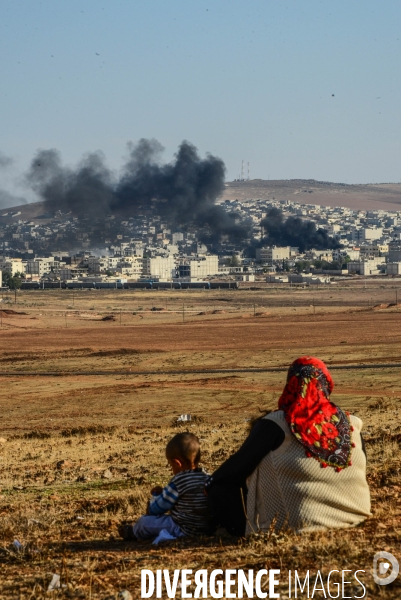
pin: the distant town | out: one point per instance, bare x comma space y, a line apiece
63, 248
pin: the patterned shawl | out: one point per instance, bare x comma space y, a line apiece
318, 424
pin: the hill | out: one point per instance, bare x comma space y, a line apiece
369, 196
386, 196
25, 212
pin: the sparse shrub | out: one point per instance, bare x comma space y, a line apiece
37, 435
90, 429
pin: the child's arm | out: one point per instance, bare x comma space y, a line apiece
164, 502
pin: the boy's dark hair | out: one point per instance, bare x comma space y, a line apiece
184, 446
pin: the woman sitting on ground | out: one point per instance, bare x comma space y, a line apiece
302, 466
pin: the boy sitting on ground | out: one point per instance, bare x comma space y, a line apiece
183, 497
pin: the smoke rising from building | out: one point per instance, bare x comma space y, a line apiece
294, 231
183, 192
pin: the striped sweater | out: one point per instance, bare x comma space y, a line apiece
185, 498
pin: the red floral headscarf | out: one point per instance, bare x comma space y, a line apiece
318, 424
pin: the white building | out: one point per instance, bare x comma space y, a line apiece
333, 229
366, 234
366, 267
177, 237
159, 267
394, 268
131, 266
270, 254
13, 265
353, 253
199, 267
394, 252
373, 250
39, 266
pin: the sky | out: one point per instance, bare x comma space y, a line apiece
307, 90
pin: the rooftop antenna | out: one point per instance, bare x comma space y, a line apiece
248, 171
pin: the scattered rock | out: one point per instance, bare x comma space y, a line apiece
380, 306
107, 474
82, 478
2, 440
109, 318
184, 418
63, 464
55, 583
124, 595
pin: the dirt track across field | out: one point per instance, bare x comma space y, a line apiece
363, 328
113, 369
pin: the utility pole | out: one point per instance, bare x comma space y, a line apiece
120, 316
15, 296
183, 313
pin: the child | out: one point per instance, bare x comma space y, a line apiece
184, 497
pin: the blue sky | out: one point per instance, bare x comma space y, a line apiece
299, 89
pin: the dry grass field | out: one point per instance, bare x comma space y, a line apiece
87, 406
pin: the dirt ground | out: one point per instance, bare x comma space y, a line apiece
87, 406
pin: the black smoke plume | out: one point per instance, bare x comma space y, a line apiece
296, 232
182, 192
87, 190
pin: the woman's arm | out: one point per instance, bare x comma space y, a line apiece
363, 446
265, 436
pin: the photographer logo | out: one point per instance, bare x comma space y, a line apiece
385, 568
